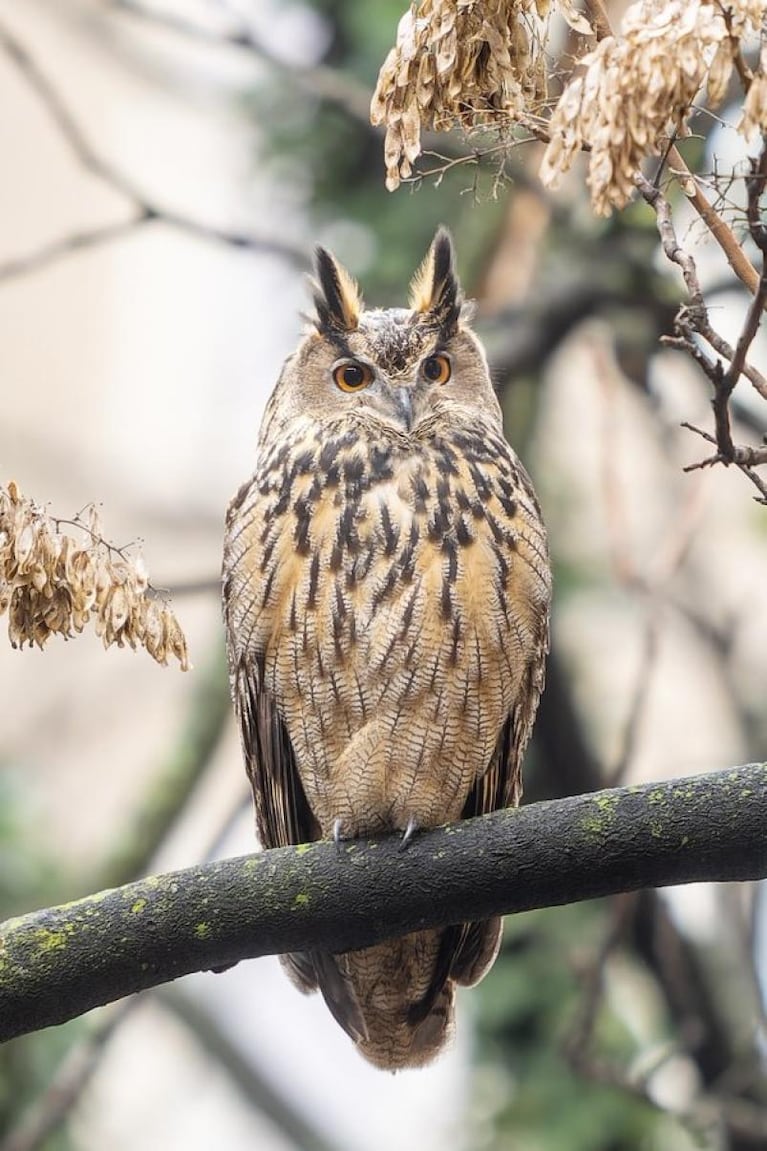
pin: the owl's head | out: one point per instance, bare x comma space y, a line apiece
395, 366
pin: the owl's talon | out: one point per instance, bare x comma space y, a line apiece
337, 834
407, 835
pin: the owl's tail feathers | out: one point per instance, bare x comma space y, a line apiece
318, 969
477, 950
340, 994
396, 1000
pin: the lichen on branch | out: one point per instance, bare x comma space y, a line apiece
57, 963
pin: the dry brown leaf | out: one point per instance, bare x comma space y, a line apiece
53, 584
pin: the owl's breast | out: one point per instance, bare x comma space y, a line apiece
395, 594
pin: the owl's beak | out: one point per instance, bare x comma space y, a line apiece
403, 405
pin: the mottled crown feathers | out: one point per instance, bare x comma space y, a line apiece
435, 292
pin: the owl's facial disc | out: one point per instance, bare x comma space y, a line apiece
389, 398
393, 366
398, 404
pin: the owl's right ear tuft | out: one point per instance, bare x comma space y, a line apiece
337, 299
435, 291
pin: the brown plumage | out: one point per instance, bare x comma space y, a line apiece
386, 591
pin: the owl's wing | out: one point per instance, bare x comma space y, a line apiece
467, 950
283, 815
501, 784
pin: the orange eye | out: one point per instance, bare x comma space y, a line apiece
437, 369
353, 376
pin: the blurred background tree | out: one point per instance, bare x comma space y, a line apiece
632, 1023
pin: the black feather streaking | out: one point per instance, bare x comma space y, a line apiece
446, 290
330, 297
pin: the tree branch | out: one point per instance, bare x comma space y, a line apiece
60, 962
286, 1115
318, 80
72, 242
719, 229
692, 320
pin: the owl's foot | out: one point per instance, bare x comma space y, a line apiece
407, 835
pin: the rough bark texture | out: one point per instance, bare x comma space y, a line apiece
57, 963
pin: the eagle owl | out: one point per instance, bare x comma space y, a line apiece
386, 594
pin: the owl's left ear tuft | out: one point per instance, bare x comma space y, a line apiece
435, 290
337, 299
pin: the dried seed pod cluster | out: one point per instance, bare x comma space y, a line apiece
473, 63
458, 64
53, 584
755, 106
633, 91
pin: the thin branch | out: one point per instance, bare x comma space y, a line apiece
57, 963
746, 459
318, 80
755, 187
146, 209
672, 249
721, 231
287, 1118
692, 319
51, 1107
74, 242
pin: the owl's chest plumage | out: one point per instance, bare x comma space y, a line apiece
387, 584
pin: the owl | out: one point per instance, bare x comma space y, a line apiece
386, 596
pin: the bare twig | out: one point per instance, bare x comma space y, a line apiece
719, 229
74, 242
717, 226
755, 187
318, 80
744, 457
692, 320
146, 209
578, 1041
289, 1120
51, 1107
671, 246
724, 382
